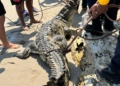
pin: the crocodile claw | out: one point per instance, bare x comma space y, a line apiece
24, 55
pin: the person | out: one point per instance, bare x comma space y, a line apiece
112, 72
29, 7
3, 38
25, 13
96, 27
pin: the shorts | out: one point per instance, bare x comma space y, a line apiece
15, 3
2, 9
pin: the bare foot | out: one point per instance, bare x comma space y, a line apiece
12, 46
25, 28
36, 21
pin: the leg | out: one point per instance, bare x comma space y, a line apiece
84, 4
22, 5
31, 48
30, 10
112, 72
18, 9
115, 62
3, 38
25, 13
116, 59
112, 13
96, 23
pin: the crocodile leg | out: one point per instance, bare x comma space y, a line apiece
31, 48
60, 40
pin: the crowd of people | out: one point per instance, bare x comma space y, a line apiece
97, 8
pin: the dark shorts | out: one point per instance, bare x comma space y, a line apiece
2, 9
15, 3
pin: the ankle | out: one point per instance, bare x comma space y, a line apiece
23, 25
6, 45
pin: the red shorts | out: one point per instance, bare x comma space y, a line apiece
14, 3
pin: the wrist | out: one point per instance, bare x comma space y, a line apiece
103, 2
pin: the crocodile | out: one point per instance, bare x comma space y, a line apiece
50, 43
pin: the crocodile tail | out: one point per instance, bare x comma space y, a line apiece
59, 71
63, 81
66, 75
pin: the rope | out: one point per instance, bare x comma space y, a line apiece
80, 30
115, 6
78, 33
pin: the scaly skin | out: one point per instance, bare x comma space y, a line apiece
53, 35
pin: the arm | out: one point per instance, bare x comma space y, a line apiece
98, 8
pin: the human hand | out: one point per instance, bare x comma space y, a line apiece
97, 9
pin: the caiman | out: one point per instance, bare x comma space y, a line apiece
50, 41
